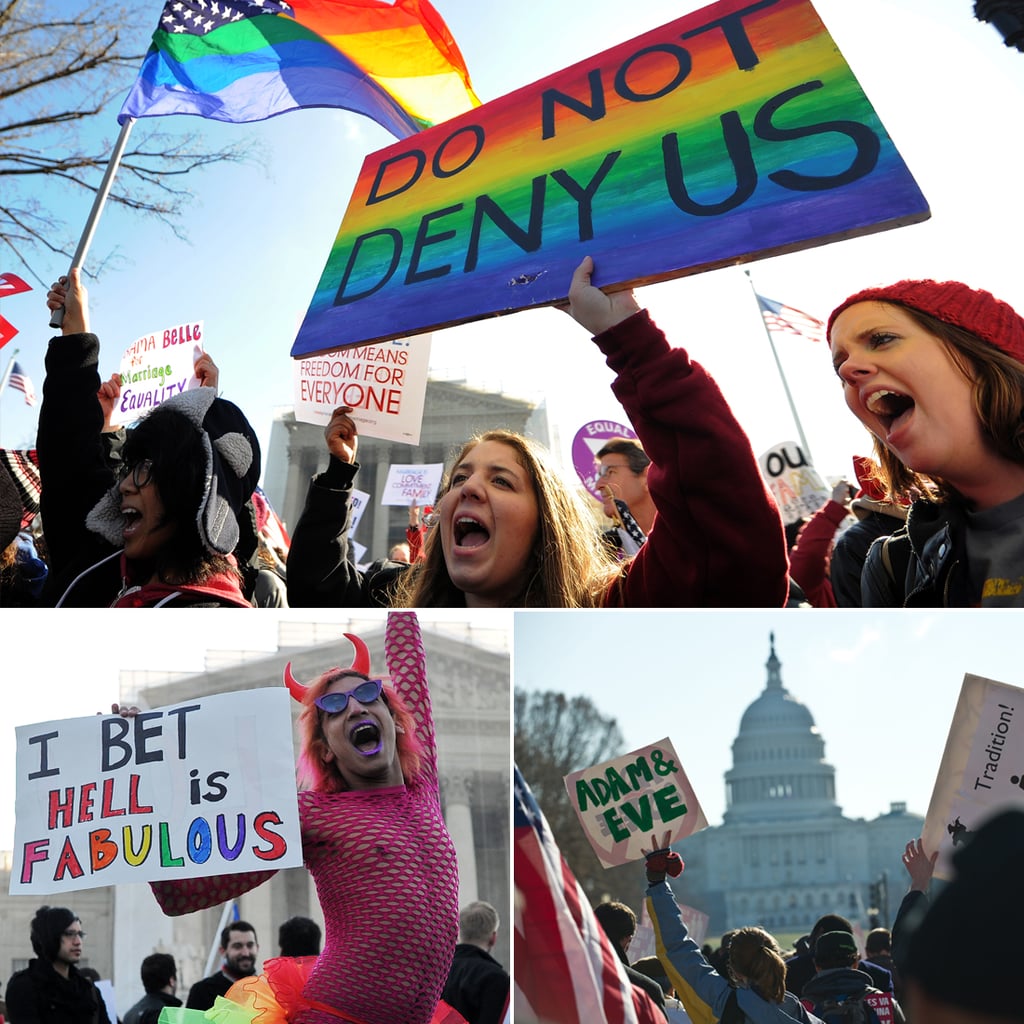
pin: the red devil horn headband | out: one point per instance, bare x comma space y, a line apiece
360, 664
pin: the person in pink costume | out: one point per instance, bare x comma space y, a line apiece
374, 840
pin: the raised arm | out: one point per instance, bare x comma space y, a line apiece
407, 665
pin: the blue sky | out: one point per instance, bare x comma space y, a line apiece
942, 83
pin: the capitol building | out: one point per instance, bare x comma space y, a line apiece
784, 854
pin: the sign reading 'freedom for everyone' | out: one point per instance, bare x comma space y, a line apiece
205, 787
733, 133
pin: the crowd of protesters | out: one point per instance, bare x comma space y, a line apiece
167, 512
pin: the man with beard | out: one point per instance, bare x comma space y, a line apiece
238, 950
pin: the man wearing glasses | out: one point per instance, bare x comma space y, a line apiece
51, 990
622, 480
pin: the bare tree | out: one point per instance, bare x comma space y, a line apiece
556, 735
58, 74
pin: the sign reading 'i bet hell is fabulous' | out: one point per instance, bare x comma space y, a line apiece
734, 133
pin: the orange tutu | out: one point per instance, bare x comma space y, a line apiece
275, 997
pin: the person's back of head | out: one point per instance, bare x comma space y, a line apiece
878, 942
835, 949
47, 929
157, 972
478, 924
829, 923
755, 957
299, 936
619, 924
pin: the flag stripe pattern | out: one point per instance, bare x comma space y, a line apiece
23, 465
20, 382
247, 60
788, 320
566, 970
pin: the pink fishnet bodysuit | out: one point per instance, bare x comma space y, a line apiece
385, 871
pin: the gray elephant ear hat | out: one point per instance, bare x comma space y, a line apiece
216, 444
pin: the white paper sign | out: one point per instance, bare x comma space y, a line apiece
156, 367
621, 803
406, 484
360, 499
204, 787
385, 385
982, 768
798, 488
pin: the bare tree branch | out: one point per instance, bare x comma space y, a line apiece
59, 76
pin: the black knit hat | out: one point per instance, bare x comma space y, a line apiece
48, 926
967, 950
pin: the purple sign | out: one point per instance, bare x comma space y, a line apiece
589, 440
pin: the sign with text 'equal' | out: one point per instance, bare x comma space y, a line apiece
621, 802
982, 767
733, 133
205, 787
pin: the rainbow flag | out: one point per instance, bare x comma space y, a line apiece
247, 60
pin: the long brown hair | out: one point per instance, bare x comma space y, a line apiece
571, 566
755, 956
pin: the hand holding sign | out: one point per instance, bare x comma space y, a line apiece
108, 394
661, 860
592, 308
68, 293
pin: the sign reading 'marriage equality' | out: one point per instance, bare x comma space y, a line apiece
205, 787
735, 132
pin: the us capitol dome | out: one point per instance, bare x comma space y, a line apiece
784, 854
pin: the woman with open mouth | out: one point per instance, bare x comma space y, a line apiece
375, 842
935, 371
509, 531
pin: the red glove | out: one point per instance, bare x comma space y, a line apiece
661, 863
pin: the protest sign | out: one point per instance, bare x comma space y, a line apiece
796, 485
589, 440
982, 767
406, 484
204, 787
621, 802
156, 367
644, 942
359, 501
385, 386
733, 133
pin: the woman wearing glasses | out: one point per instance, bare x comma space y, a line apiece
375, 842
158, 527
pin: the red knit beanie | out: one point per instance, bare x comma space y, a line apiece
976, 311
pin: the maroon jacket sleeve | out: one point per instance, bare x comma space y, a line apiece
718, 540
807, 559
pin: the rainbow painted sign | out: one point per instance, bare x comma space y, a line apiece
733, 133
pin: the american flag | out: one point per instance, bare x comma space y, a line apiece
789, 320
20, 382
566, 970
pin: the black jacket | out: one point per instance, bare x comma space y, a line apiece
477, 985
147, 1009
203, 994
39, 995
922, 565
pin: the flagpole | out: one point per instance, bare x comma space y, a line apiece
225, 913
6, 377
57, 317
785, 384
